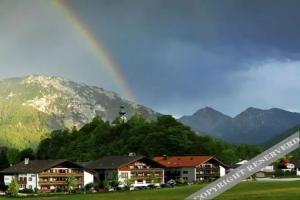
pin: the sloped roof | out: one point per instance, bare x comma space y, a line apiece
35, 166
112, 162
183, 161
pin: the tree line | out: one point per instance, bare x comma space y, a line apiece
164, 136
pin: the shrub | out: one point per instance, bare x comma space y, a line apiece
29, 191
71, 183
103, 184
13, 188
90, 186
181, 181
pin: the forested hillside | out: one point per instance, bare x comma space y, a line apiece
166, 136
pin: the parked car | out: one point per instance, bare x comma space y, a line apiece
170, 183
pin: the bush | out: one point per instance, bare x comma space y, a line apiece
181, 181
71, 183
13, 188
79, 190
113, 183
103, 184
90, 186
60, 190
29, 191
280, 173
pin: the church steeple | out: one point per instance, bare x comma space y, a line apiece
122, 113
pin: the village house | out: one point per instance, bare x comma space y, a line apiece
140, 170
191, 168
46, 175
286, 165
267, 171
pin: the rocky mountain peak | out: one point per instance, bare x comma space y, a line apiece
44, 103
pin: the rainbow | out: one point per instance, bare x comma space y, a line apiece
96, 46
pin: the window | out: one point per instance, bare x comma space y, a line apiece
185, 172
124, 175
29, 179
22, 179
30, 186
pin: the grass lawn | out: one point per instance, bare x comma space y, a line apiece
244, 191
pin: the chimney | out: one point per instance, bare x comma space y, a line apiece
165, 157
26, 161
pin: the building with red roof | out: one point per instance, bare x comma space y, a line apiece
191, 168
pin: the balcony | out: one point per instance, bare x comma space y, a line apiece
45, 183
49, 174
150, 170
146, 173
208, 174
208, 168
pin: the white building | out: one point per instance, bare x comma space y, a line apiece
267, 171
46, 175
191, 168
140, 170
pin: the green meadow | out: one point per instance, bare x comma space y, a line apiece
244, 191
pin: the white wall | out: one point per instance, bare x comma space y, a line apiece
8, 179
87, 178
298, 172
120, 178
222, 171
33, 183
269, 168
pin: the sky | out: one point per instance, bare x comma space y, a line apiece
175, 56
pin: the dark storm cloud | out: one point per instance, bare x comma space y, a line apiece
182, 55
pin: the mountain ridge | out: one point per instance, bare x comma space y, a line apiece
251, 125
34, 105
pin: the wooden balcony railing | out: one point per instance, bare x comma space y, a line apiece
151, 170
208, 167
49, 174
144, 177
43, 183
208, 174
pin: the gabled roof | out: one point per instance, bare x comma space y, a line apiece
36, 166
183, 161
112, 162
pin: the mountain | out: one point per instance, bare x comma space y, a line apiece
32, 106
265, 124
251, 126
208, 120
279, 137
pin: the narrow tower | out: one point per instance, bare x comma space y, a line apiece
122, 113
